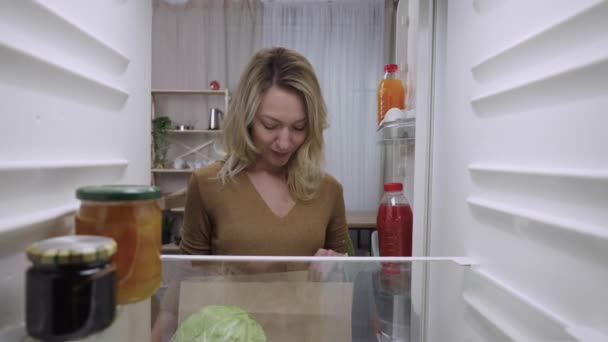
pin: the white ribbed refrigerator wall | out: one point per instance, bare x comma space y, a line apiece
75, 110
517, 170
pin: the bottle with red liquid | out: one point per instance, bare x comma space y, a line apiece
392, 284
394, 223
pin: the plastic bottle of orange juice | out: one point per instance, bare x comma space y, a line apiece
391, 92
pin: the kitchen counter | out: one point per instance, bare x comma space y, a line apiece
361, 224
361, 219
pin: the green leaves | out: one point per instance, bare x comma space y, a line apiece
160, 140
217, 323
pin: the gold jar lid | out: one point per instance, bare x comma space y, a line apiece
72, 250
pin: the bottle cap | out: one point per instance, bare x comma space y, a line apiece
71, 250
391, 67
118, 193
393, 187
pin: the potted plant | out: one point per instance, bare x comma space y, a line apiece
160, 140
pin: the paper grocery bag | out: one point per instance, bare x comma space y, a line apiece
286, 306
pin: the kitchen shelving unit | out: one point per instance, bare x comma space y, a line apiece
206, 135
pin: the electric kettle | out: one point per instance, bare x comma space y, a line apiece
215, 118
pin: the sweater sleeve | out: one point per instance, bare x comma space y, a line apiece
196, 230
337, 230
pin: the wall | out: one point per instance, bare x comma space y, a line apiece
75, 94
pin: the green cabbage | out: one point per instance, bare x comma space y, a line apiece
217, 323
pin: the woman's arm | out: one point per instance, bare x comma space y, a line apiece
337, 230
196, 230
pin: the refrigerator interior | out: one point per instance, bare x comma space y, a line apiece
510, 164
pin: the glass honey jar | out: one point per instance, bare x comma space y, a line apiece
129, 214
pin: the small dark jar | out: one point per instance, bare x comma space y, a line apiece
70, 288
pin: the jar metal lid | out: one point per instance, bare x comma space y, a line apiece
71, 250
118, 193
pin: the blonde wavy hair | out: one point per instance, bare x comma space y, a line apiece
289, 71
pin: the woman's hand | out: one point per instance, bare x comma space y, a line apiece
327, 252
319, 271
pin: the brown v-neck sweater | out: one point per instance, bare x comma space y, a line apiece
233, 219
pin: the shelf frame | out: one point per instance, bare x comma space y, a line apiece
189, 92
201, 131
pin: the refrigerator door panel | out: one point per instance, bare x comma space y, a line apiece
519, 176
414, 40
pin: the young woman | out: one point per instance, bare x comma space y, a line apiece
270, 195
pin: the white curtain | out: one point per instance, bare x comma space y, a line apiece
344, 40
195, 43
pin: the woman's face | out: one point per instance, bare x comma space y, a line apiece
279, 127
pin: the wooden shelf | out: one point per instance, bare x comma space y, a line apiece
172, 170
190, 91
195, 131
